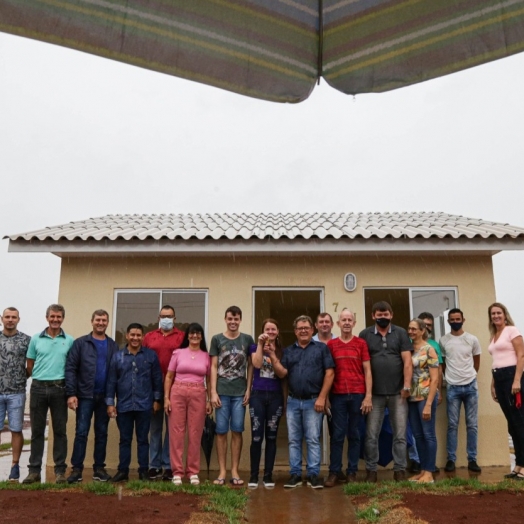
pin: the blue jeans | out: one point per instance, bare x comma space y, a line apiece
424, 433
158, 452
398, 416
140, 422
13, 404
346, 417
469, 396
87, 407
265, 410
48, 397
230, 415
303, 422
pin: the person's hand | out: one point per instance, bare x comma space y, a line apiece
209, 408
367, 405
320, 405
156, 406
72, 403
440, 397
426, 412
515, 388
167, 406
405, 393
215, 400
493, 393
263, 338
245, 401
111, 411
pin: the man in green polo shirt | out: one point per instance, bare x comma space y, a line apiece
46, 358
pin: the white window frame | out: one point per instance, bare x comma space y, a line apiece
161, 291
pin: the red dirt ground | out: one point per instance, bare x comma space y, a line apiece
480, 508
22, 507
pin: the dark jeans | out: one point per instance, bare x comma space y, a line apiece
265, 410
424, 433
140, 422
503, 378
46, 397
87, 407
346, 418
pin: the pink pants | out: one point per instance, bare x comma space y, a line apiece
188, 408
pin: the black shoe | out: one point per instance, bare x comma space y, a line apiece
474, 467
315, 482
415, 467
294, 481
436, 470
121, 476
101, 475
76, 476
371, 476
399, 476
167, 475
450, 466
154, 473
253, 482
268, 481
143, 475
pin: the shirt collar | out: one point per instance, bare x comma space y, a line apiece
44, 333
389, 330
127, 352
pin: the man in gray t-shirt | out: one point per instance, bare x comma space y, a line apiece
231, 377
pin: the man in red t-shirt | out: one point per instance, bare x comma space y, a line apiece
350, 397
163, 341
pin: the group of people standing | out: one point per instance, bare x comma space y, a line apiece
167, 377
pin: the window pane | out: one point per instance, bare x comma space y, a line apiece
398, 299
437, 302
135, 307
189, 307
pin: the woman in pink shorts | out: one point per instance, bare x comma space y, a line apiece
186, 389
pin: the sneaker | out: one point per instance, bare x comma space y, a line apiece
14, 475
450, 466
121, 476
331, 480
474, 467
167, 476
268, 481
176, 480
60, 477
154, 473
253, 482
194, 480
315, 482
76, 476
294, 481
101, 475
32, 478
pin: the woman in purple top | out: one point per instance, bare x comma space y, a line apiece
185, 402
266, 403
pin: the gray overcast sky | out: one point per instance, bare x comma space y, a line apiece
81, 136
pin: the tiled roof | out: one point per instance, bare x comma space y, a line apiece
275, 226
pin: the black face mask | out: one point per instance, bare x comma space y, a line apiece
383, 322
456, 326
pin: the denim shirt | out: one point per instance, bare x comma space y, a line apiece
136, 380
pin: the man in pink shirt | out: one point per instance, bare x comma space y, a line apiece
163, 341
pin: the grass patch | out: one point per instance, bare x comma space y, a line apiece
7, 445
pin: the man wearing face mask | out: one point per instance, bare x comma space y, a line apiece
461, 353
391, 368
163, 341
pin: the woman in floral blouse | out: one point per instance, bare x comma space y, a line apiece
423, 400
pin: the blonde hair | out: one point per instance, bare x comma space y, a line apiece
509, 320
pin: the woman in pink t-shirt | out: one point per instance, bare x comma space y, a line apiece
507, 349
185, 402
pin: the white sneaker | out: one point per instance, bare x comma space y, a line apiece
177, 481
194, 480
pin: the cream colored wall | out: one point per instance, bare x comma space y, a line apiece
87, 284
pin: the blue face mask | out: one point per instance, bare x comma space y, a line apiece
456, 326
166, 324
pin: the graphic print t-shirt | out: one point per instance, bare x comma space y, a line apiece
232, 363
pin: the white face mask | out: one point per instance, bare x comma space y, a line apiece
166, 324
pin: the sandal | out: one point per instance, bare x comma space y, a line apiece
194, 480
177, 481
235, 481
512, 475
219, 482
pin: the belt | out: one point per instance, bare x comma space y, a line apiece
50, 382
303, 397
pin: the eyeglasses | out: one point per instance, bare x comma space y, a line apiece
384, 342
302, 329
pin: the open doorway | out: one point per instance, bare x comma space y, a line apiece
284, 305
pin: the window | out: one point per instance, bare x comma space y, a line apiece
142, 306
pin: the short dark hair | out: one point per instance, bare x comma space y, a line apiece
99, 313
11, 309
57, 308
325, 314
134, 325
234, 310
455, 310
426, 315
194, 327
381, 306
167, 306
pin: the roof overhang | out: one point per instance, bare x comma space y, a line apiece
269, 247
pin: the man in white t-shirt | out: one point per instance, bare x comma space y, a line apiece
461, 354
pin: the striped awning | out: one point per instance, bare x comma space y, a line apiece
277, 49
